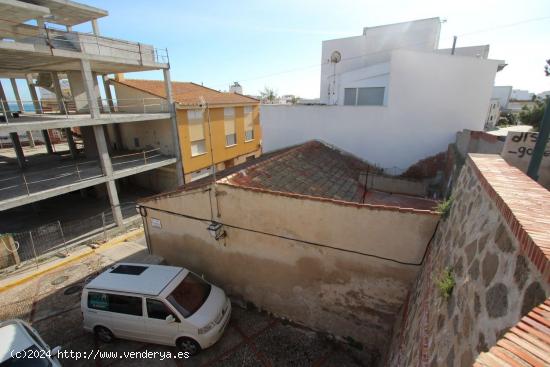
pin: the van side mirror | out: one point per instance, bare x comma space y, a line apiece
55, 351
170, 319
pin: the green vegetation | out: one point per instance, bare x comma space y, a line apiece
444, 207
446, 283
533, 115
507, 119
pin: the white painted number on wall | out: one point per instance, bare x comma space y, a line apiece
155, 223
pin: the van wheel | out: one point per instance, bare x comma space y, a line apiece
188, 345
104, 334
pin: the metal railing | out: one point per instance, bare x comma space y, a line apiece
38, 181
10, 109
84, 42
34, 246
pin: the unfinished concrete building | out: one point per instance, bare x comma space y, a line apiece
31, 49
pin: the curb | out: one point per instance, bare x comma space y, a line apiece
107, 245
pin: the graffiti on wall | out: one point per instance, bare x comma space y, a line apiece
518, 150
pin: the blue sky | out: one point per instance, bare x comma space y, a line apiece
278, 44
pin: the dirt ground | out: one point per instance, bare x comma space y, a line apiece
51, 303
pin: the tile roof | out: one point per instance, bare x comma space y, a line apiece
187, 93
525, 344
312, 170
316, 169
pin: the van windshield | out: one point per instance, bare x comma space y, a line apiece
189, 295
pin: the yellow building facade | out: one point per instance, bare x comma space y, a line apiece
215, 129
220, 136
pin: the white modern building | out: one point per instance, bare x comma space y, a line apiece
357, 70
521, 95
503, 93
390, 95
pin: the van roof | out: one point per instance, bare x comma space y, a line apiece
136, 278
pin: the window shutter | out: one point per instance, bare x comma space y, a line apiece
196, 126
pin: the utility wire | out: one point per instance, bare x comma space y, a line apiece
205, 220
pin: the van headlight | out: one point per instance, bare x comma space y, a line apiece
207, 328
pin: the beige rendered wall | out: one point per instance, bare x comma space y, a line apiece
347, 294
151, 135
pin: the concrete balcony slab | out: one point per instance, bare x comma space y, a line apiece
17, 189
31, 122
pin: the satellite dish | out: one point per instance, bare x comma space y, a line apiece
335, 57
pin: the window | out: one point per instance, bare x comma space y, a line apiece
229, 123
195, 120
198, 147
189, 295
115, 303
136, 142
350, 96
248, 124
129, 269
370, 96
158, 310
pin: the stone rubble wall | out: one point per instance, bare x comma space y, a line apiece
496, 284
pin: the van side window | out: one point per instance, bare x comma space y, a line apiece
158, 310
115, 303
98, 301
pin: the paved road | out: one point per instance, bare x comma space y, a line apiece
252, 339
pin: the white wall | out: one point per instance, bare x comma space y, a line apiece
503, 93
375, 46
427, 96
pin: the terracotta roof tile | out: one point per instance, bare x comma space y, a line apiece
312, 170
316, 169
187, 93
526, 344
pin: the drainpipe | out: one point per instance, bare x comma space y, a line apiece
540, 145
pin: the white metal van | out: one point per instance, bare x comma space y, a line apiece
156, 304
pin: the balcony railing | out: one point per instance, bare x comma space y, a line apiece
83, 42
25, 184
9, 110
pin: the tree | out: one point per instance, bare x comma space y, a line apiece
294, 99
507, 119
547, 68
268, 95
533, 115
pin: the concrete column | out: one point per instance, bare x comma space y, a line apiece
175, 134
89, 88
101, 142
96, 91
69, 28
95, 27
70, 141
4, 99
34, 95
108, 93
18, 150
31, 139
58, 92
47, 141
107, 168
17, 96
